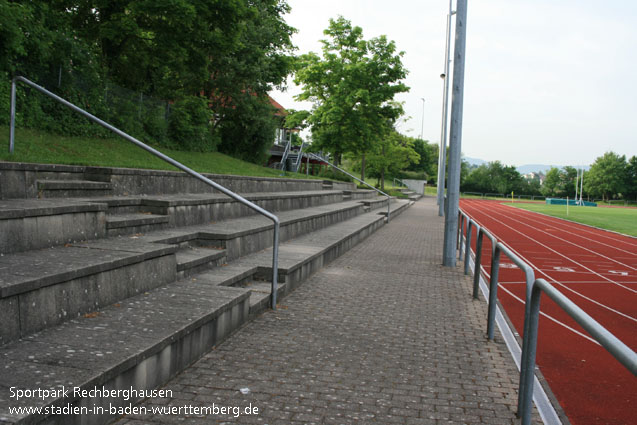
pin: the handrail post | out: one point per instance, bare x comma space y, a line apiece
478, 260
275, 265
12, 123
493, 292
467, 252
524, 374
460, 234
527, 363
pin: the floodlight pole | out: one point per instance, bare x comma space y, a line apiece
422, 121
455, 138
576, 185
581, 189
442, 151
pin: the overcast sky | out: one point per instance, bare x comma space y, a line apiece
546, 81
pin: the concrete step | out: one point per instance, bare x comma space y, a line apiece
195, 259
72, 188
131, 223
396, 208
142, 341
27, 224
246, 235
34, 224
139, 343
361, 194
40, 289
192, 209
19, 180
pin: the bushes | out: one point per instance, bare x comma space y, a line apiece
190, 125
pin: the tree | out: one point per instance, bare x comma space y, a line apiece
352, 87
551, 185
428, 162
607, 176
392, 155
631, 178
213, 61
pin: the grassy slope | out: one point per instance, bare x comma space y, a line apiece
37, 147
622, 220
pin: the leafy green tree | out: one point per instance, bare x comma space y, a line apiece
223, 55
352, 88
568, 178
607, 176
631, 178
494, 177
392, 155
428, 162
551, 185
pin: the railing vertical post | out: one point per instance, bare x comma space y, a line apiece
478, 260
460, 236
526, 347
527, 365
275, 265
12, 123
493, 292
467, 251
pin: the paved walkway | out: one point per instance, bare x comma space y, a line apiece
382, 335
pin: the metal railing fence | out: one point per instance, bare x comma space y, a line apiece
357, 179
534, 288
258, 209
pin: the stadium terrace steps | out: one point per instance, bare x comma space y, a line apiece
120, 291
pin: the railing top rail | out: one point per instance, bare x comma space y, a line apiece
158, 154
528, 270
624, 354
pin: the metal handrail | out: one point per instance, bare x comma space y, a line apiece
619, 350
286, 152
401, 182
534, 287
299, 158
274, 218
357, 179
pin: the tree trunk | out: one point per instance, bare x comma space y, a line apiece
363, 167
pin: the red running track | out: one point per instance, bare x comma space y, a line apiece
595, 269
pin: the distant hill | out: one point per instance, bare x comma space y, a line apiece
530, 168
522, 169
474, 161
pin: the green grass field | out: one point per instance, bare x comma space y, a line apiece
622, 220
37, 147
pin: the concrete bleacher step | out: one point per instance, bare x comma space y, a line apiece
144, 340
94, 272
72, 188
27, 224
145, 277
131, 223
42, 288
138, 343
194, 259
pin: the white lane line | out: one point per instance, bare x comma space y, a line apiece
558, 282
557, 252
585, 228
573, 243
551, 318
